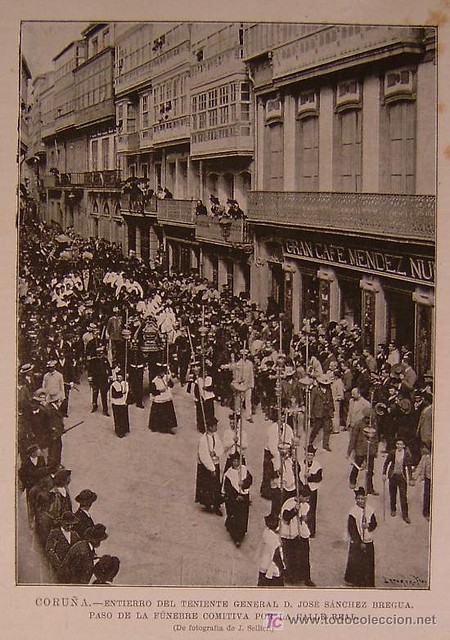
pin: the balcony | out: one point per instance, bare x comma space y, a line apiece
137, 205
146, 138
65, 121
172, 130
333, 44
103, 179
176, 212
394, 216
217, 68
127, 142
85, 179
72, 179
174, 52
104, 110
224, 231
236, 139
133, 78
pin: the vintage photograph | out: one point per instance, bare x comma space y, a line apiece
225, 304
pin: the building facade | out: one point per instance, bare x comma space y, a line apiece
344, 204
323, 134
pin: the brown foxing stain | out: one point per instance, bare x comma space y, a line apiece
447, 152
437, 18
442, 107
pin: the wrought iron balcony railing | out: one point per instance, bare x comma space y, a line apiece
222, 230
138, 204
109, 178
176, 212
387, 215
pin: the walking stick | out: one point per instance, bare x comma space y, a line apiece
281, 438
72, 427
384, 500
240, 451
203, 330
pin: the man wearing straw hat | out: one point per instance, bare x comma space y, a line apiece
243, 383
322, 411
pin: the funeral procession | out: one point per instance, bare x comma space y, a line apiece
225, 304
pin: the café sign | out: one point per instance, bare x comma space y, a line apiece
413, 268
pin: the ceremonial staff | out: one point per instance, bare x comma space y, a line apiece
199, 389
126, 335
240, 450
370, 433
282, 448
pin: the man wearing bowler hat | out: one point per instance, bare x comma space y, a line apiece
78, 565
59, 541
85, 499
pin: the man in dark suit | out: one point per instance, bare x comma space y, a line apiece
99, 376
60, 497
363, 442
397, 467
85, 499
59, 541
78, 565
322, 411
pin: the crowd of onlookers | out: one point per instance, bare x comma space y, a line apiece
76, 295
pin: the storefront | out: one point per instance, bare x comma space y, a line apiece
384, 287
